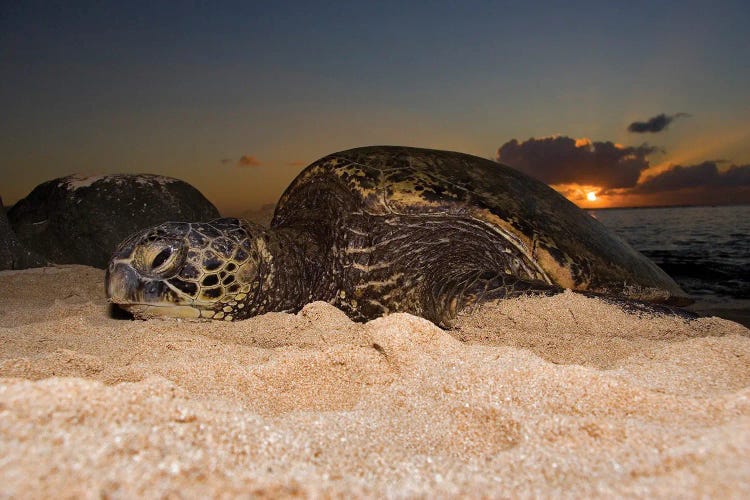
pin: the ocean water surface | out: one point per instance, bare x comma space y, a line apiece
705, 249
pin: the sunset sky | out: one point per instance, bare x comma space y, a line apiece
641, 103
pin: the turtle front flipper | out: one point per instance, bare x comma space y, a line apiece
462, 294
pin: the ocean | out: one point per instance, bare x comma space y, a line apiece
705, 249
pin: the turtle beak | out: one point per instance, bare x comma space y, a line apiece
143, 297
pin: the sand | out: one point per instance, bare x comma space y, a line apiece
557, 396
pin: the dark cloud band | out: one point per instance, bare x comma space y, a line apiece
655, 124
569, 164
703, 175
564, 160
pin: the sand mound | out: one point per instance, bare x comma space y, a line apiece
531, 397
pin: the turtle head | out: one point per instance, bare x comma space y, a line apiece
189, 270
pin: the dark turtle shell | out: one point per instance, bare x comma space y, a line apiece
570, 247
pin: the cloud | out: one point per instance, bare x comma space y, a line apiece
655, 124
564, 160
704, 175
248, 161
622, 175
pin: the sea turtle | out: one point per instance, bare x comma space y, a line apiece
384, 229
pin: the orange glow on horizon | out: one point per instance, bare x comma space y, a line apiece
585, 196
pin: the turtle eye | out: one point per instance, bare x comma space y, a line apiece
161, 258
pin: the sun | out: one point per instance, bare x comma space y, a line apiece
591, 196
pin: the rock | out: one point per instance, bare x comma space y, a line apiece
13, 255
81, 219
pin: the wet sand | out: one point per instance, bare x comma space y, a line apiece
561, 395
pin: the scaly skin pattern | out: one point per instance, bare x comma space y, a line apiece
380, 230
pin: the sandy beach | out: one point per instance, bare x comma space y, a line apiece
557, 396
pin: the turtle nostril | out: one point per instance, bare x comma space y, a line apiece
161, 257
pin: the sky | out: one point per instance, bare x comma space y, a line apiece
639, 103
